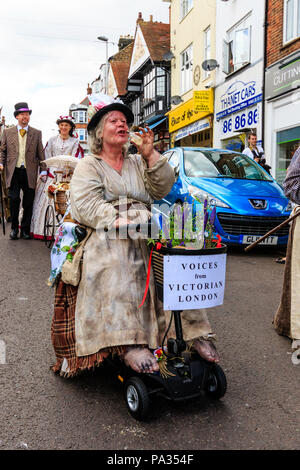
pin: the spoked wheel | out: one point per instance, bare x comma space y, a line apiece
216, 385
137, 398
49, 226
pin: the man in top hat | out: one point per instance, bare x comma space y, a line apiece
21, 155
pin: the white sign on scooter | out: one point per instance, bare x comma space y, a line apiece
193, 282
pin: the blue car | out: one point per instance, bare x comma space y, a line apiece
249, 202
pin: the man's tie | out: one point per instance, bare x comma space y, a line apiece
22, 132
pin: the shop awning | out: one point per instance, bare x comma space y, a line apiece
152, 126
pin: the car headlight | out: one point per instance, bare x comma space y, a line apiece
201, 195
289, 207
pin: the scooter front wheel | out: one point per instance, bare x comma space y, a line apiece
216, 384
137, 398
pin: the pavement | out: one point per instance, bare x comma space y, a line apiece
41, 410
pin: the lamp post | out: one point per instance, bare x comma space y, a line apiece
105, 39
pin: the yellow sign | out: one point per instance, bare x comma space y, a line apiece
186, 113
203, 101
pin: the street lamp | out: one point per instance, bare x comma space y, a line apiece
105, 39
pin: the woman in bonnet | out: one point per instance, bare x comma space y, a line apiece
64, 143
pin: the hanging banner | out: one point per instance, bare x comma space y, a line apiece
194, 282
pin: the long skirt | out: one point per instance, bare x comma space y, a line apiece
287, 317
63, 336
40, 204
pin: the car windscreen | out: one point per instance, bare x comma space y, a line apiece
218, 164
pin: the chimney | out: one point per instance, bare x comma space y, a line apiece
140, 18
151, 18
124, 41
89, 90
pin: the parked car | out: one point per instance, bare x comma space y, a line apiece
249, 202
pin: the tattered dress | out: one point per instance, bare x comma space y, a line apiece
104, 311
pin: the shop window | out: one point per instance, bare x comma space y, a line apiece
237, 47
291, 28
287, 143
186, 69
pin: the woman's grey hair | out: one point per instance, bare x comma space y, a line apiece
95, 139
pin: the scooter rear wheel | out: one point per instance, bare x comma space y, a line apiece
216, 384
137, 398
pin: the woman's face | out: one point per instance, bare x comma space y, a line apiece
64, 128
115, 130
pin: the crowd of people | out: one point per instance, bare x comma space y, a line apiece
99, 314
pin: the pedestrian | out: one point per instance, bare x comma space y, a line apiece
64, 143
256, 151
287, 317
21, 156
101, 315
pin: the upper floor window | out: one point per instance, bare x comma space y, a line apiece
237, 47
291, 29
79, 116
136, 109
81, 134
185, 7
186, 69
160, 82
149, 85
207, 47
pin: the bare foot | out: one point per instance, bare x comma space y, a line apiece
141, 360
207, 350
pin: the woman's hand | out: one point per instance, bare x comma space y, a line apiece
146, 149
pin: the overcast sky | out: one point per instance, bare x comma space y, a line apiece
49, 51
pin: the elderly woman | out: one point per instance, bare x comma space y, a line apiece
109, 190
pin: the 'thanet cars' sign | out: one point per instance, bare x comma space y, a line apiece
238, 96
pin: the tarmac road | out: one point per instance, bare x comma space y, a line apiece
40, 410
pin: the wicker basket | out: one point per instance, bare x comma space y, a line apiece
158, 262
61, 202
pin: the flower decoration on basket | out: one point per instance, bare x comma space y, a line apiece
188, 226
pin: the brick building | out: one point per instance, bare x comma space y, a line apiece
79, 113
282, 84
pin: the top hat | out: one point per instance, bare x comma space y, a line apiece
101, 104
21, 108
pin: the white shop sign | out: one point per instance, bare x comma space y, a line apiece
247, 118
194, 282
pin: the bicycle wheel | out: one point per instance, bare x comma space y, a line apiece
49, 226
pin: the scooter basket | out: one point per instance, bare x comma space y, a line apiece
157, 261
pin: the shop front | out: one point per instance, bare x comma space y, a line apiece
238, 107
282, 107
190, 125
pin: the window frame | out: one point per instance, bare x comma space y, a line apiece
81, 133
295, 21
230, 65
185, 8
186, 84
207, 48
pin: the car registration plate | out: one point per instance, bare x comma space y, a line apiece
248, 239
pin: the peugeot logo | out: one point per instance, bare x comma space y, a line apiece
258, 203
